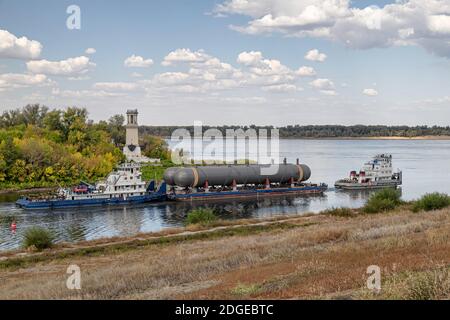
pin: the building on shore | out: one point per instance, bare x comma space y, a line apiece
132, 150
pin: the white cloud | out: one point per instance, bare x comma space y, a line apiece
18, 80
315, 55
263, 71
116, 86
306, 71
208, 74
325, 86
90, 51
184, 55
136, 75
370, 92
137, 62
328, 92
70, 67
252, 58
245, 100
81, 94
18, 48
406, 22
171, 78
281, 88
200, 73
78, 78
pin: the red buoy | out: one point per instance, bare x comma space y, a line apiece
13, 227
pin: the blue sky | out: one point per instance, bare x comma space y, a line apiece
232, 62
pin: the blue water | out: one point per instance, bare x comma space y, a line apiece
425, 165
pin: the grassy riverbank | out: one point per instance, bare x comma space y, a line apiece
315, 256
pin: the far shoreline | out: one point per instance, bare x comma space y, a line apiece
375, 138
358, 138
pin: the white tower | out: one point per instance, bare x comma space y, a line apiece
132, 136
132, 150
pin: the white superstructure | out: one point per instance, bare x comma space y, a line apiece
377, 169
126, 181
375, 173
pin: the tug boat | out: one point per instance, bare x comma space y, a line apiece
122, 186
375, 174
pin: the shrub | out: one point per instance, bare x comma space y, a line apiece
38, 237
383, 200
246, 289
201, 216
340, 212
431, 285
432, 201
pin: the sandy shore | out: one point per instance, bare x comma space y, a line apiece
317, 256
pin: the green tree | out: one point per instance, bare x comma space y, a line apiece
116, 129
155, 147
9, 151
53, 121
18, 171
34, 114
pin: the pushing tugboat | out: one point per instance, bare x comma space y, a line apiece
122, 186
238, 181
375, 174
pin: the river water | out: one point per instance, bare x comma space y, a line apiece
425, 165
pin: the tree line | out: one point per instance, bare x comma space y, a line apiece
319, 131
41, 147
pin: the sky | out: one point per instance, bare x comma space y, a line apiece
263, 62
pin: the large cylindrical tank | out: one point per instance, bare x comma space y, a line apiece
241, 174
169, 174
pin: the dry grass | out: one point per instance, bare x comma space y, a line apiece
320, 256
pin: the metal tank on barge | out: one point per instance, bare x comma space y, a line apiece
215, 182
122, 186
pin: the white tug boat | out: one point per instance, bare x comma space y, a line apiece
122, 186
375, 174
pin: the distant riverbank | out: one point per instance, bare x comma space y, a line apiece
361, 138
379, 138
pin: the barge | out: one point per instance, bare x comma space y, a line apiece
375, 174
122, 186
204, 183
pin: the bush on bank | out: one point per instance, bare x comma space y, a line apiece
203, 216
38, 237
431, 201
383, 200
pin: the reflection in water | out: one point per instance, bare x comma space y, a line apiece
98, 222
246, 208
425, 168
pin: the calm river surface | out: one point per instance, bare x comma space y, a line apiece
425, 165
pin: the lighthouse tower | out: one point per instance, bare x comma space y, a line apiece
132, 150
